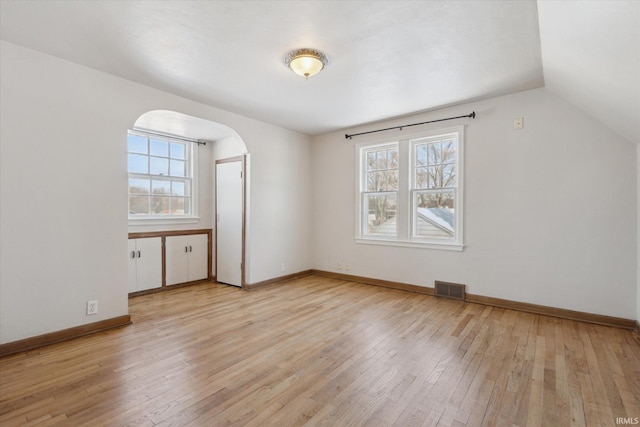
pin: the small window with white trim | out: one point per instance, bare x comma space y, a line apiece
411, 191
161, 177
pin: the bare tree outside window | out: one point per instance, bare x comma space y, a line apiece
381, 186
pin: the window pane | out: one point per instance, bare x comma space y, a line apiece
371, 181
449, 175
137, 144
177, 205
161, 187
434, 157
381, 181
392, 180
392, 158
138, 163
138, 186
159, 148
448, 151
177, 188
381, 214
178, 151
421, 155
159, 166
139, 205
422, 177
160, 205
434, 215
435, 176
178, 168
381, 159
371, 160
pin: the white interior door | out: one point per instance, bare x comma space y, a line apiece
229, 207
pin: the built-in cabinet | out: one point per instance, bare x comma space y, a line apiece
161, 259
145, 264
186, 258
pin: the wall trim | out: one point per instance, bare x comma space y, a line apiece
63, 335
279, 279
170, 287
376, 282
636, 332
599, 319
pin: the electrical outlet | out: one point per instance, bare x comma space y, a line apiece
92, 307
347, 268
339, 266
282, 268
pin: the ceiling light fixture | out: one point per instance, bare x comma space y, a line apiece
306, 62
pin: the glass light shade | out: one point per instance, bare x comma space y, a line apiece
306, 62
306, 66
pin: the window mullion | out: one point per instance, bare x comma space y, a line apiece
404, 183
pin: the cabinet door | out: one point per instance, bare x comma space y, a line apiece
198, 257
149, 263
132, 277
177, 259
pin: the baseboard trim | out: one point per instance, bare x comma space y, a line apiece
376, 282
63, 335
636, 332
599, 319
562, 313
169, 287
275, 280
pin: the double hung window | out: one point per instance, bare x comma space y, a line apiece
161, 177
410, 191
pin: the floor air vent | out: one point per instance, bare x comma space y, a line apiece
450, 290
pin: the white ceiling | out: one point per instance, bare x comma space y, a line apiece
386, 58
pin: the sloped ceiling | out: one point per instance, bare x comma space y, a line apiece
591, 57
386, 58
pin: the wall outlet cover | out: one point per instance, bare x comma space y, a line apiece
92, 307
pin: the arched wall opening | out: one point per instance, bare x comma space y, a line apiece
221, 142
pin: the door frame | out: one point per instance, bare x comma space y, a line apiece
243, 163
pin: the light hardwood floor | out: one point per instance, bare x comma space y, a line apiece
318, 351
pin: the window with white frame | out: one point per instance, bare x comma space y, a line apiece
411, 190
161, 177
380, 192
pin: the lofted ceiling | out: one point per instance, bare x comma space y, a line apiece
386, 58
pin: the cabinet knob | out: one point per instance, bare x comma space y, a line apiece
190, 248
186, 249
133, 254
139, 255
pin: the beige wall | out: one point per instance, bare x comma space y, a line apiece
63, 213
550, 210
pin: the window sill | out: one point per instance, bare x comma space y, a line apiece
418, 245
163, 221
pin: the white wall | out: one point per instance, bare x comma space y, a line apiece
638, 235
550, 210
63, 222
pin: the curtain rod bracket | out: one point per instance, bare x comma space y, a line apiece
472, 116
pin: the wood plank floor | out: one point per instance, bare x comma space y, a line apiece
317, 351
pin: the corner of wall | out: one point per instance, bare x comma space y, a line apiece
638, 233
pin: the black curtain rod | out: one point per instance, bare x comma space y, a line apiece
170, 136
472, 115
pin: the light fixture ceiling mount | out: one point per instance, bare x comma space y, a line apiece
306, 62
